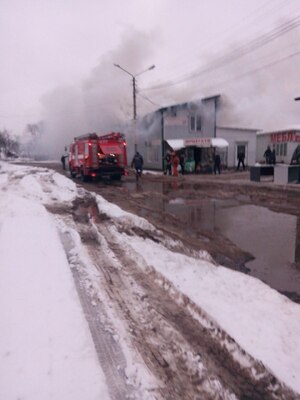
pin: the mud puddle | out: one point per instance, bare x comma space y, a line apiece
269, 236
272, 238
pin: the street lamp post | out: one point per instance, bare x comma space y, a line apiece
134, 94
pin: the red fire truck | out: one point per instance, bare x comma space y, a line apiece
94, 156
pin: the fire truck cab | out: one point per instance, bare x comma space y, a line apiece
93, 156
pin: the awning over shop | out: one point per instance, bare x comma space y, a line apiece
108, 148
219, 142
177, 144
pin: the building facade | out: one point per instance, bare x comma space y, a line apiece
284, 142
190, 129
187, 128
239, 141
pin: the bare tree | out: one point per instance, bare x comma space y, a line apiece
9, 146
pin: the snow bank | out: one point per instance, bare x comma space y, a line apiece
264, 323
46, 350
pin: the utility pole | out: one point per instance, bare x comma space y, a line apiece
134, 97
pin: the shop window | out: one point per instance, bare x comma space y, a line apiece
281, 149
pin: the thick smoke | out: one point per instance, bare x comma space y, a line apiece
257, 87
257, 90
101, 103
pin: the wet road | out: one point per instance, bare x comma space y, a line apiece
254, 228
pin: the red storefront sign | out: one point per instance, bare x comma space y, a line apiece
284, 137
200, 142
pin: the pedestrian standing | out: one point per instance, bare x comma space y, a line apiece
268, 155
273, 157
168, 164
182, 162
241, 159
217, 163
63, 161
175, 163
137, 163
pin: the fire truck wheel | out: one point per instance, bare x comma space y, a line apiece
72, 173
116, 177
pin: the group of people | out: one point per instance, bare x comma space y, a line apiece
172, 162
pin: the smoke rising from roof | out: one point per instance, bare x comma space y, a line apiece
100, 103
257, 90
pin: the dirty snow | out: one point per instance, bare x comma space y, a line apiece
46, 350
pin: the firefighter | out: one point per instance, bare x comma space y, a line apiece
137, 163
175, 163
63, 161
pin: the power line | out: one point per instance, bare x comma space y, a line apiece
149, 100
271, 64
235, 54
283, 8
266, 13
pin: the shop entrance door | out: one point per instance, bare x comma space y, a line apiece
241, 148
197, 155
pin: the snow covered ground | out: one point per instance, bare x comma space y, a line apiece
46, 349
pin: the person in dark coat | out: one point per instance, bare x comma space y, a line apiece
268, 155
273, 157
217, 163
63, 161
137, 163
241, 160
168, 160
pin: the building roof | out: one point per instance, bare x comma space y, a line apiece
286, 129
187, 103
216, 96
238, 129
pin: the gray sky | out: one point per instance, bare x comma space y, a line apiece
57, 60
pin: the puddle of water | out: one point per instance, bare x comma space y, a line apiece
272, 238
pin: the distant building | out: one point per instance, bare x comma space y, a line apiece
240, 140
283, 141
190, 129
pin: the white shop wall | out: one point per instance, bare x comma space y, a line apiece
235, 137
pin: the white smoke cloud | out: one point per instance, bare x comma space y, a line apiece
257, 90
100, 103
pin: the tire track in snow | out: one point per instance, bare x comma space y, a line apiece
176, 333
187, 357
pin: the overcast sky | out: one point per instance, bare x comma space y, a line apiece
57, 60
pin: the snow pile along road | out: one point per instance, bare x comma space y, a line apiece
46, 350
45, 342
